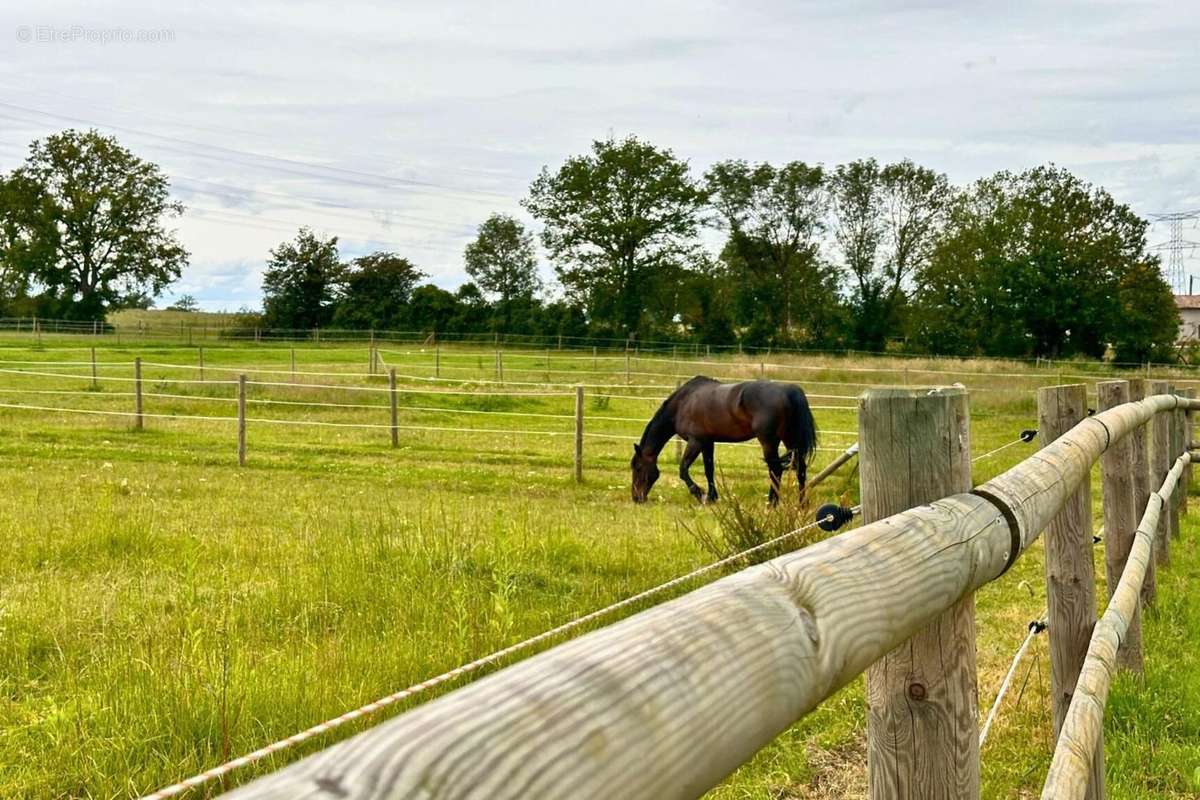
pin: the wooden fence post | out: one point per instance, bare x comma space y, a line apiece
395, 410
437, 358
95, 382
499, 367
1177, 448
1120, 523
1070, 572
1139, 441
578, 434
627, 381
293, 364
922, 722
200, 357
137, 393
1160, 463
241, 421
1186, 489
547, 365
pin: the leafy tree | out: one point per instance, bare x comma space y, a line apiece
300, 283
621, 223
433, 309
375, 292
83, 222
185, 303
1147, 319
887, 221
503, 262
1043, 263
775, 218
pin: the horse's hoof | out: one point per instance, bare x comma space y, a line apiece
711, 498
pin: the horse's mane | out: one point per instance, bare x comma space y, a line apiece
662, 425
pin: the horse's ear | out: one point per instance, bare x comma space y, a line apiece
637, 449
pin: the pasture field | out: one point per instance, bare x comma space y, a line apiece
162, 609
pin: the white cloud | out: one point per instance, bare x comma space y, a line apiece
402, 126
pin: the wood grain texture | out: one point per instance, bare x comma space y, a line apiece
1070, 573
1119, 516
668, 702
1160, 463
1186, 479
922, 717
1142, 486
1083, 730
1178, 446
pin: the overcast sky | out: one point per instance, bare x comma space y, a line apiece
402, 125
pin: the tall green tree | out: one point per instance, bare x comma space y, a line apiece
84, 223
621, 225
301, 282
887, 221
375, 292
503, 261
1043, 263
775, 217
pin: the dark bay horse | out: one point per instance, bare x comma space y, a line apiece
703, 412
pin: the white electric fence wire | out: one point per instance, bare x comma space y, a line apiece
1002, 447
473, 666
1034, 629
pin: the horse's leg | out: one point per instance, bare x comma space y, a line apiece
709, 468
774, 468
693, 449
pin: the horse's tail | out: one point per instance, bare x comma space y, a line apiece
802, 428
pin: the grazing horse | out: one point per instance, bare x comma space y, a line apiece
703, 412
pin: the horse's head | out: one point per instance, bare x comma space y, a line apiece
644, 465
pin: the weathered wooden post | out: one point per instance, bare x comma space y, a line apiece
293, 364
200, 360
1120, 521
1070, 572
762, 370
95, 381
499, 367
593, 357
1141, 467
437, 358
1160, 463
578, 434
394, 408
627, 381
241, 421
1186, 489
137, 393
922, 721
547, 365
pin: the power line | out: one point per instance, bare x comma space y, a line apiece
1176, 247
276, 163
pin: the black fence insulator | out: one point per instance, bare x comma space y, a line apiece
831, 516
1037, 626
1028, 434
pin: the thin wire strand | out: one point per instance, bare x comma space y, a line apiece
473, 666
1034, 630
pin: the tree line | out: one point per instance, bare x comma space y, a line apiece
859, 255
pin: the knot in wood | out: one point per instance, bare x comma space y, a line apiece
916, 691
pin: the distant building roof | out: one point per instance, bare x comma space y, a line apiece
1187, 301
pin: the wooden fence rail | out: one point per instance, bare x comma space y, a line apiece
1084, 726
667, 703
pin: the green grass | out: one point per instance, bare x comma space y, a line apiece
162, 609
